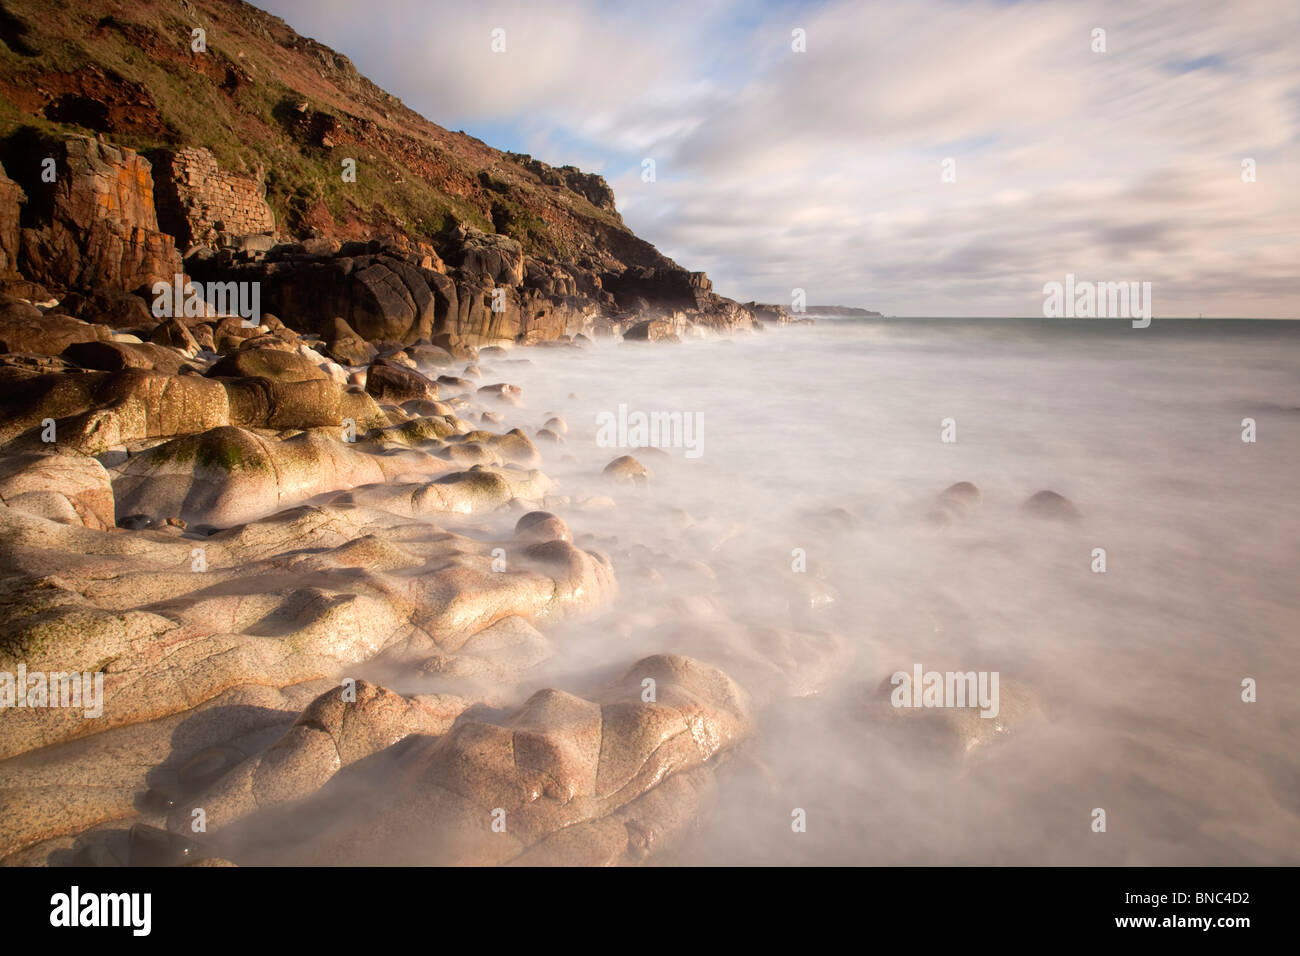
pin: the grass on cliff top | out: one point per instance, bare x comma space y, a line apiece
239, 123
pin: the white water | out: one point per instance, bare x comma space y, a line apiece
1139, 669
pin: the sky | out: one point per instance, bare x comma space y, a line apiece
825, 169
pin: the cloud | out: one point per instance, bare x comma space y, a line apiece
821, 170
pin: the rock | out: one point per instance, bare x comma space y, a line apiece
510, 394
425, 356
175, 335
269, 363
959, 730
389, 382
627, 470
956, 502
117, 355
580, 781
11, 199
24, 329
271, 403
99, 228
225, 476
392, 301
651, 330
230, 333
541, 526
480, 490
63, 486
329, 735
1049, 504
499, 258
136, 404
120, 310
344, 345
454, 385
150, 846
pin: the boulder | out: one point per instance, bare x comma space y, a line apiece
228, 475
62, 486
389, 382
24, 329
626, 470
1049, 504
269, 363
117, 355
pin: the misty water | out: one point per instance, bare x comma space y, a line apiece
1120, 690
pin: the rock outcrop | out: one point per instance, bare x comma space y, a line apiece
98, 226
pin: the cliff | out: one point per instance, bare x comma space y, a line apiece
261, 155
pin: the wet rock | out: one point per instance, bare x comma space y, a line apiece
953, 729
627, 470
1049, 504
510, 394
605, 780
651, 330
425, 356
392, 383
955, 503
150, 846
334, 731
117, 355
455, 385
539, 526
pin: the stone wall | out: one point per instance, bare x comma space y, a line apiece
200, 204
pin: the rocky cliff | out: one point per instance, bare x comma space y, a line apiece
159, 136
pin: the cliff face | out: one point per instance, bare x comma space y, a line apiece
95, 224
265, 156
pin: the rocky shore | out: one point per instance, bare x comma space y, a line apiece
225, 516
271, 493
231, 524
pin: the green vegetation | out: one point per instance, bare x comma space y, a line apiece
251, 99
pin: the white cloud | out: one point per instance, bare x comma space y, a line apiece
821, 169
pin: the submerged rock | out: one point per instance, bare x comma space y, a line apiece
626, 470
1049, 504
